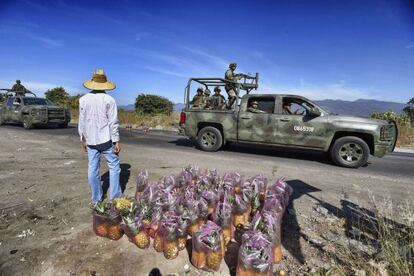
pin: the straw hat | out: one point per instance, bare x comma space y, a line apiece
99, 81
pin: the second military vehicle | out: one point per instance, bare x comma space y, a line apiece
32, 111
286, 121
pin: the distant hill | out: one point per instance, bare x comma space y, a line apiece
360, 107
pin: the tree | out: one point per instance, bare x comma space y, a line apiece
153, 104
400, 119
73, 101
58, 95
409, 110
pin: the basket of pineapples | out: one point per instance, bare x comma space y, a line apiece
107, 221
134, 228
170, 239
241, 210
142, 183
255, 255
208, 247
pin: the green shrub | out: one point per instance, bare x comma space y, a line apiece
153, 104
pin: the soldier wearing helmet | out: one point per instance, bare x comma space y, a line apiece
207, 99
218, 100
19, 89
253, 107
231, 87
198, 99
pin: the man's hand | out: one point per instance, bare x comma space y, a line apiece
84, 145
117, 148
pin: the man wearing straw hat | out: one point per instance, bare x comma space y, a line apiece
99, 134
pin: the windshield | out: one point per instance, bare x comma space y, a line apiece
36, 101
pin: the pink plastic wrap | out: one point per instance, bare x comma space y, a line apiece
223, 217
255, 255
142, 183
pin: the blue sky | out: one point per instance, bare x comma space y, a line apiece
320, 49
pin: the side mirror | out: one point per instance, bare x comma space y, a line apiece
314, 112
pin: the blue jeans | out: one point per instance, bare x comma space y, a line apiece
94, 177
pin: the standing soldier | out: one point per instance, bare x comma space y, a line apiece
198, 100
218, 100
231, 87
19, 89
207, 99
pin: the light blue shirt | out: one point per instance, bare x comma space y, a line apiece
98, 119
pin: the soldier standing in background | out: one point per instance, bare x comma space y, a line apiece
218, 100
198, 100
231, 87
19, 89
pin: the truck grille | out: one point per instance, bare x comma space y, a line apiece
56, 114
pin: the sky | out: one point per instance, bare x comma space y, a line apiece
319, 49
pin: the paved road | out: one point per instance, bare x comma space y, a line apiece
394, 165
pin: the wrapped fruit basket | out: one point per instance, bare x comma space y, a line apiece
202, 212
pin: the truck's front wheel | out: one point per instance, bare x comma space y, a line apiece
350, 152
210, 139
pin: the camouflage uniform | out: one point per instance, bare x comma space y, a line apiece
19, 89
231, 87
207, 99
253, 108
198, 100
218, 100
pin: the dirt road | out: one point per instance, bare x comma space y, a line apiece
45, 223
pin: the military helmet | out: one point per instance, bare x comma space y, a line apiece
233, 65
18, 81
217, 88
254, 103
207, 92
200, 89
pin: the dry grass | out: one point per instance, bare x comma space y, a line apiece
391, 243
130, 118
406, 136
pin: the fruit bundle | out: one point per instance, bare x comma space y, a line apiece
106, 221
208, 247
255, 255
223, 218
142, 183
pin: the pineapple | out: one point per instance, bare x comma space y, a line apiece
227, 235
100, 226
214, 259
122, 204
115, 232
152, 232
158, 242
170, 249
142, 240
198, 259
182, 242
277, 253
239, 219
194, 227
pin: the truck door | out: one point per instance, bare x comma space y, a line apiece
256, 124
9, 109
298, 124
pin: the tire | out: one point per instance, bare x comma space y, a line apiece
27, 123
63, 125
350, 152
210, 139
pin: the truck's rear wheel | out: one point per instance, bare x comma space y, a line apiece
210, 139
350, 152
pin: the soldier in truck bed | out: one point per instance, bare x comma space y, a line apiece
207, 99
198, 100
218, 100
231, 87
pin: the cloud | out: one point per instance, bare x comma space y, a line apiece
409, 46
165, 72
320, 92
49, 42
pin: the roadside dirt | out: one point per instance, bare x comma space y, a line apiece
45, 221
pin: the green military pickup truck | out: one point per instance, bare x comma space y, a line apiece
287, 121
32, 111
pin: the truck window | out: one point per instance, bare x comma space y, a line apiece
295, 106
10, 101
261, 105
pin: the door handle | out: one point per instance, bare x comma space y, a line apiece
245, 117
285, 119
